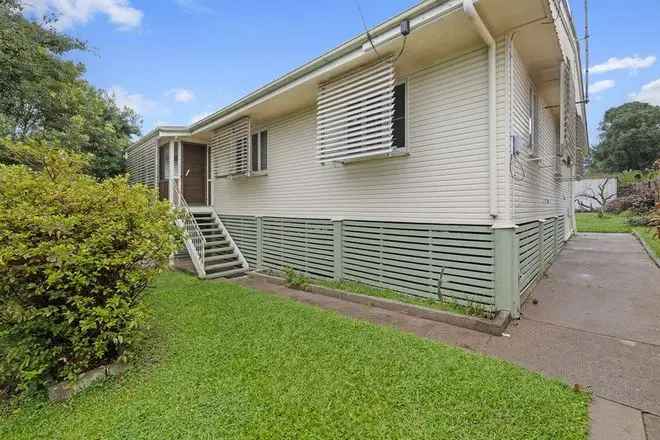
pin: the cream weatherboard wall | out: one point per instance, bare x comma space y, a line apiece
443, 179
537, 192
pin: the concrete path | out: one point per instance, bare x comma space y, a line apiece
597, 324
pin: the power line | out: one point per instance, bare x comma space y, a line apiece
366, 29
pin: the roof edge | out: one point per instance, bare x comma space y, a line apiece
316, 63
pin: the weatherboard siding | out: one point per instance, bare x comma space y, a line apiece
444, 179
538, 194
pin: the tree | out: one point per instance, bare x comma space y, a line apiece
601, 196
44, 96
630, 138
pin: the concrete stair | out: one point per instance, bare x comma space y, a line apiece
221, 256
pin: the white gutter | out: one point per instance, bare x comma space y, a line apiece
471, 11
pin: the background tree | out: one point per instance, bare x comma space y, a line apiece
43, 96
630, 138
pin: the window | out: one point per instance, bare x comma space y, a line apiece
259, 151
399, 119
533, 119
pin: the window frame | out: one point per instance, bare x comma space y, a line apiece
534, 121
260, 171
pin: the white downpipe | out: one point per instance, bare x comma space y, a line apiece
471, 11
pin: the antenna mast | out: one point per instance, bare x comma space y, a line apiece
586, 50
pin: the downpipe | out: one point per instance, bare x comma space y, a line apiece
484, 33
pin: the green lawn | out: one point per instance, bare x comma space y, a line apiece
229, 362
590, 222
648, 236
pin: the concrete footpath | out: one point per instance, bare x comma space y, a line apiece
596, 323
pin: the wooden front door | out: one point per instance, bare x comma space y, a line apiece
193, 174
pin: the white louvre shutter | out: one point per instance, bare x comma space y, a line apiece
141, 163
230, 146
354, 114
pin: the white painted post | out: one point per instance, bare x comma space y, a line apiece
170, 182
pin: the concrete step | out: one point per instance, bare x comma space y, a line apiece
215, 237
223, 257
215, 249
216, 267
226, 274
215, 245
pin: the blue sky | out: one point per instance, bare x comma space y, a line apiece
176, 60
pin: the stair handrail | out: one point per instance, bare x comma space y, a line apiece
195, 237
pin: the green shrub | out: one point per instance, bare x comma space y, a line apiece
294, 279
638, 220
75, 258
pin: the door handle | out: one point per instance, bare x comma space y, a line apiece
187, 172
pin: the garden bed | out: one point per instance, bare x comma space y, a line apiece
230, 362
454, 314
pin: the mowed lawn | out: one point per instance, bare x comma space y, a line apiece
228, 362
591, 222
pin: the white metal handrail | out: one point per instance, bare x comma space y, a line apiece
195, 240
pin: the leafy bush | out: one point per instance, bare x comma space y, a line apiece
294, 279
75, 258
630, 177
638, 220
636, 203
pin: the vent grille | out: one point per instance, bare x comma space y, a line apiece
230, 148
354, 114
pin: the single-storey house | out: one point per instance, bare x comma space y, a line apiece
433, 155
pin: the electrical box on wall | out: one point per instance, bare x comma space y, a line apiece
516, 144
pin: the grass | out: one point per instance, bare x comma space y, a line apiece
229, 362
647, 234
590, 222
364, 289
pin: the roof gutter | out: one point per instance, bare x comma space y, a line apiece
484, 33
419, 15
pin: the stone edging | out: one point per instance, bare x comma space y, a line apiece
647, 248
66, 390
494, 326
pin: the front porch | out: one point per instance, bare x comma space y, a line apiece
184, 173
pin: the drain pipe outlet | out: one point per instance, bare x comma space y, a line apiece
471, 11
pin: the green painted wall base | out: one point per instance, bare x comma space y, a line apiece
507, 296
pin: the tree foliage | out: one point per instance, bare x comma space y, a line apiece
630, 138
75, 257
44, 96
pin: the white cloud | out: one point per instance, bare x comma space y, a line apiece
601, 86
627, 63
73, 12
181, 95
199, 116
649, 93
135, 101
